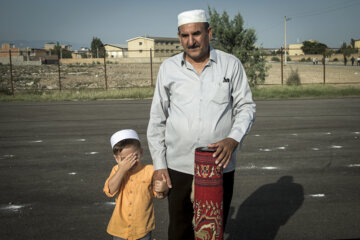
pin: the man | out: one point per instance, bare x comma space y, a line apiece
202, 98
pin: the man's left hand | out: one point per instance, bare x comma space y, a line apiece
224, 150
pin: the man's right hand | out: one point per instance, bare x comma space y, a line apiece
158, 176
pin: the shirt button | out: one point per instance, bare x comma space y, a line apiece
130, 191
130, 215
129, 226
130, 203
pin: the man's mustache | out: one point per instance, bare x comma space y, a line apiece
195, 45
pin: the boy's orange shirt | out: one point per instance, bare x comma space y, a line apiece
133, 216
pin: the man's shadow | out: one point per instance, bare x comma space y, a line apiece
262, 214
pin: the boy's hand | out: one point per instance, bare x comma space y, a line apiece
128, 162
161, 187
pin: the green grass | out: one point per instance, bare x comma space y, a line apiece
305, 91
268, 92
80, 95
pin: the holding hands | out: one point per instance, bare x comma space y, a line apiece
161, 187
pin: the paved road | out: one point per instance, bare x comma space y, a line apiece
298, 175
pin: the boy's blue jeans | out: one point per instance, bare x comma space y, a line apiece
147, 237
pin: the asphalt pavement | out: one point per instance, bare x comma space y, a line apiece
297, 176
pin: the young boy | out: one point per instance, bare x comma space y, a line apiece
131, 182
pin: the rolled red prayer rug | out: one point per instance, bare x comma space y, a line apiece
208, 196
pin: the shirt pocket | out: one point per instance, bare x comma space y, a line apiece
221, 93
145, 188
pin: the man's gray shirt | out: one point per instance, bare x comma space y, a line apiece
191, 110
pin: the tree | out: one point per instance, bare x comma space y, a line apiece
347, 50
61, 52
97, 48
231, 37
313, 47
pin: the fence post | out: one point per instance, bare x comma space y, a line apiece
11, 75
323, 62
282, 69
151, 73
106, 84
58, 54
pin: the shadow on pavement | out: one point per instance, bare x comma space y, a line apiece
262, 214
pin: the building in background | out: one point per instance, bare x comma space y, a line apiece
25, 55
160, 46
84, 52
116, 50
357, 45
51, 45
295, 49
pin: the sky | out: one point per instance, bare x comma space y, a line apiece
114, 21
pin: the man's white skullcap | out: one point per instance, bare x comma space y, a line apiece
192, 16
122, 135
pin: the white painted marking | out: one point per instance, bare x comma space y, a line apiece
91, 153
319, 195
8, 156
72, 173
11, 207
80, 140
269, 168
110, 203
315, 149
252, 166
336, 146
357, 132
37, 141
265, 150
257, 135
328, 133
294, 134
353, 165
281, 148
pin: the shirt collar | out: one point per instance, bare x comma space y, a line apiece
213, 56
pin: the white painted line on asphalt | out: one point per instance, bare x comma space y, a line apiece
72, 173
80, 140
357, 133
281, 148
91, 153
354, 165
328, 133
269, 168
257, 135
252, 166
37, 141
110, 203
315, 149
264, 150
11, 207
336, 147
319, 195
8, 156
294, 134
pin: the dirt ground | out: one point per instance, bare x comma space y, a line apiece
83, 76
309, 73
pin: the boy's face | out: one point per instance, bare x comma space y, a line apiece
120, 156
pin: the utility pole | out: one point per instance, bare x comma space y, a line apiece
285, 46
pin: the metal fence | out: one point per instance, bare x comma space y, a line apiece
20, 73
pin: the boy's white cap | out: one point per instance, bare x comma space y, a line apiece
192, 16
122, 135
